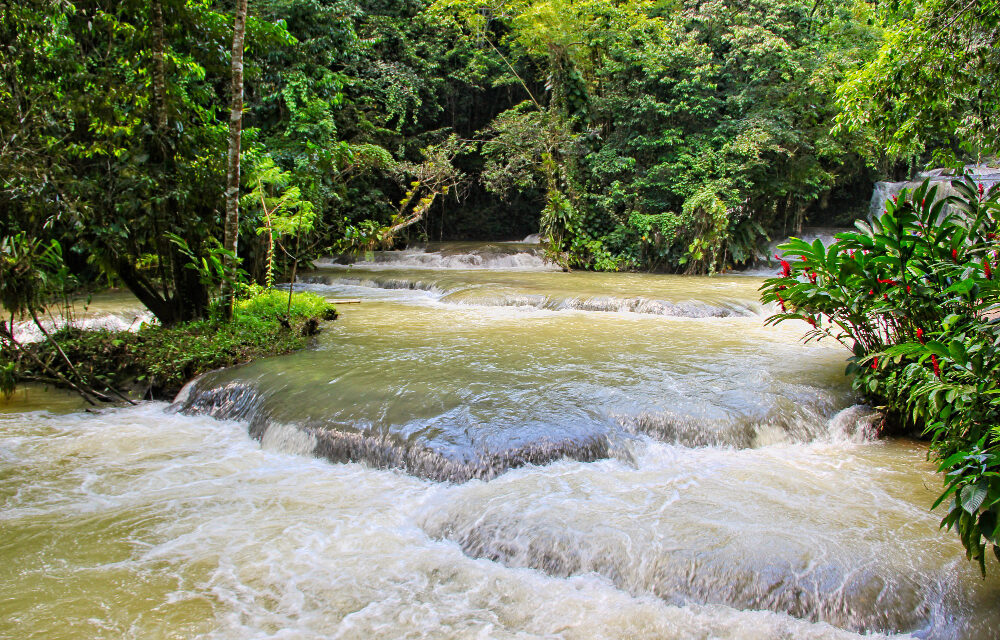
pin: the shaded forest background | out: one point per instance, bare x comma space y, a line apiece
632, 134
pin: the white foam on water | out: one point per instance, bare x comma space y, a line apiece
172, 526
26, 331
288, 438
422, 258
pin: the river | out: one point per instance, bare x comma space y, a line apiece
486, 447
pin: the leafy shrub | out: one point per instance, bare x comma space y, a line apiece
914, 297
273, 304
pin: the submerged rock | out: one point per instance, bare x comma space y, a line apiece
379, 447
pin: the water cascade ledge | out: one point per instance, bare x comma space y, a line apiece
698, 527
436, 455
380, 449
985, 175
513, 294
501, 388
527, 255
168, 519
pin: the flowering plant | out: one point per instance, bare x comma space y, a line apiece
912, 295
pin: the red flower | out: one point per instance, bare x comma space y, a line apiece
886, 296
907, 288
954, 255
786, 269
987, 268
875, 363
920, 335
781, 301
895, 198
871, 292
980, 188
937, 367
812, 277
887, 281
803, 259
922, 201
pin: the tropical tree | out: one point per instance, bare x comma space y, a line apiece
931, 90
232, 227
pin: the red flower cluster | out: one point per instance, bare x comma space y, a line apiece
812, 277
987, 268
920, 336
937, 367
954, 255
781, 301
875, 363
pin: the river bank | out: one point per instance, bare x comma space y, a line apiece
154, 362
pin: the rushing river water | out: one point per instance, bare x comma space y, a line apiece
487, 448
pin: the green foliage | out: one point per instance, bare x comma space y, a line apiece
915, 298
651, 108
281, 210
214, 266
594, 120
932, 85
32, 274
709, 220
273, 305
435, 176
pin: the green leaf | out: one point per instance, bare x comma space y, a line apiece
972, 496
937, 349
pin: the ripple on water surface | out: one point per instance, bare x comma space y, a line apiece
136, 523
733, 490
452, 393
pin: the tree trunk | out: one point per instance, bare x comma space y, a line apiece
233, 171
159, 72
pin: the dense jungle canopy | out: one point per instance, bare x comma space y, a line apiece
633, 134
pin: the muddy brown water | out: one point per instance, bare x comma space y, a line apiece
490, 450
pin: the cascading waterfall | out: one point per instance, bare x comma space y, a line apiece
527, 255
987, 176
490, 449
716, 298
